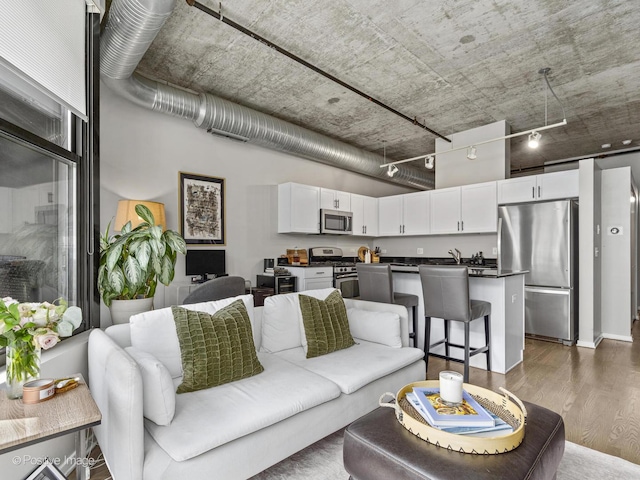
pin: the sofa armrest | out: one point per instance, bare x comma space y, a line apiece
116, 386
385, 307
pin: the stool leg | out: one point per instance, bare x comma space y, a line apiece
414, 312
467, 352
447, 331
427, 339
487, 337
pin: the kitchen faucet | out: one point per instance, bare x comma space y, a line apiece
457, 255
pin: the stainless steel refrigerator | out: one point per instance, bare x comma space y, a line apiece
543, 239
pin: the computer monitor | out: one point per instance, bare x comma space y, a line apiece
205, 262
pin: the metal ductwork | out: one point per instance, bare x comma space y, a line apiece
131, 27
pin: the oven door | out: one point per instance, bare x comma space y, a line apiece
347, 283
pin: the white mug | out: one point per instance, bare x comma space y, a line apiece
451, 388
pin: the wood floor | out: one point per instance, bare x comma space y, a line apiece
597, 392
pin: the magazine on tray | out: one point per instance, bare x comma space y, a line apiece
469, 414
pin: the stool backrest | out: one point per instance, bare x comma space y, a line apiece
375, 282
445, 290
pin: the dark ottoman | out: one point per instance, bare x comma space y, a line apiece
377, 447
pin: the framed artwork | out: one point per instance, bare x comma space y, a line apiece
202, 209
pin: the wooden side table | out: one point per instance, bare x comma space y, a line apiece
72, 411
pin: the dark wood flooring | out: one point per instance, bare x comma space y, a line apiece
597, 392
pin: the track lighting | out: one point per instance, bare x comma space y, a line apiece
392, 170
428, 161
471, 153
534, 139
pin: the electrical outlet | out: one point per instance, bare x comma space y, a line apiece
384, 250
514, 297
420, 251
495, 250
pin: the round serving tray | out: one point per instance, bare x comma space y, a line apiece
507, 406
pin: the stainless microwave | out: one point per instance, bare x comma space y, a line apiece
335, 221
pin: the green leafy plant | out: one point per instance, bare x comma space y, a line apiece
132, 263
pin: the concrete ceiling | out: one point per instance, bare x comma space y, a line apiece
454, 65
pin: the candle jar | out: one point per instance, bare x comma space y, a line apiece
451, 388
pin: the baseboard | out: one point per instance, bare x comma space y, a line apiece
622, 338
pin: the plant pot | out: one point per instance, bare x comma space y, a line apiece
121, 310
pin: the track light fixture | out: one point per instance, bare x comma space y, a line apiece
429, 161
392, 170
534, 139
471, 153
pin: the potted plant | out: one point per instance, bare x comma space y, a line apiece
132, 263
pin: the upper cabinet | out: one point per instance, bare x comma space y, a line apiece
466, 209
298, 208
406, 214
365, 215
335, 200
547, 186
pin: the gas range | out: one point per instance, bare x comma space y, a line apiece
331, 256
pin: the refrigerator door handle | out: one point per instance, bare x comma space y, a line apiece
552, 291
499, 246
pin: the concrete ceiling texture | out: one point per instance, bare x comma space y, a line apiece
452, 65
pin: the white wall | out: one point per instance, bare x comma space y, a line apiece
493, 162
616, 254
142, 153
590, 326
438, 245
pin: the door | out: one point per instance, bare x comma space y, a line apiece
537, 237
357, 207
515, 190
371, 216
390, 216
445, 210
415, 213
478, 208
548, 313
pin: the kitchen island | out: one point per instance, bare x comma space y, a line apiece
503, 289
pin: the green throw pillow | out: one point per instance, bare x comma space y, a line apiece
215, 349
325, 324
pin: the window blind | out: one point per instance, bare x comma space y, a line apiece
43, 42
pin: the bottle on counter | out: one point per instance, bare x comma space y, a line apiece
367, 256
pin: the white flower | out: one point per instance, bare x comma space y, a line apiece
9, 301
45, 338
44, 313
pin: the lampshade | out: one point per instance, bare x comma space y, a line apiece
127, 212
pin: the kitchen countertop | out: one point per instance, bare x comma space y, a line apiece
474, 271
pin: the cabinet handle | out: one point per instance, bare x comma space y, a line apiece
365, 229
400, 228
533, 192
539, 191
458, 225
319, 273
462, 225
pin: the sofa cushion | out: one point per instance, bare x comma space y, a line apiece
159, 394
357, 366
282, 320
376, 327
212, 417
155, 331
215, 349
325, 323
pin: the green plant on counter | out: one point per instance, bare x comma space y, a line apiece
132, 263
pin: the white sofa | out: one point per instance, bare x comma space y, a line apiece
236, 430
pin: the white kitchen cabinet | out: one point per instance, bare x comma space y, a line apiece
335, 200
478, 208
365, 215
466, 209
312, 278
533, 188
298, 208
406, 214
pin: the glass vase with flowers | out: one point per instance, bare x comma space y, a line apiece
25, 329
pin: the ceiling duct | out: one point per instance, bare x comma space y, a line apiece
131, 27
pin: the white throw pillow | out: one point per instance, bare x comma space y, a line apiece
155, 331
159, 394
282, 320
376, 327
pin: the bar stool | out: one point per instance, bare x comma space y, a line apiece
445, 292
376, 285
